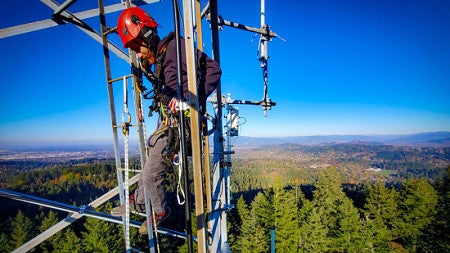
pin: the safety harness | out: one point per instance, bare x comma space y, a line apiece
160, 104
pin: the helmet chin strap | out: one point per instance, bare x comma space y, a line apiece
144, 64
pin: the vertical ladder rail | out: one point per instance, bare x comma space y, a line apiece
195, 122
219, 217
182, 124
142, 146
109, 82
137, 98
126, 119
227, 170
124, 183
204, 124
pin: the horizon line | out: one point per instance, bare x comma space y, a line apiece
84, 142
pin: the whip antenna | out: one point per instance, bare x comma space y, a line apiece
266, 103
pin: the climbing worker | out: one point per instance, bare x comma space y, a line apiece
138, 31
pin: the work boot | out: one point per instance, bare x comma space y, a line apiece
134, 207
143, 229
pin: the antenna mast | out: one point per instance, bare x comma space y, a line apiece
266, 103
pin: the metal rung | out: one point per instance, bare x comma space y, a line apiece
121, 126
119, 78
137, 171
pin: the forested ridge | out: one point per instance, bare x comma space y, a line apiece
257, 167
315, 199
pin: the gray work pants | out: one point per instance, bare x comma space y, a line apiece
154, 174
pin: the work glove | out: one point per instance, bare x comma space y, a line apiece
173, 105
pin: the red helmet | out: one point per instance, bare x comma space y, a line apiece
130, 24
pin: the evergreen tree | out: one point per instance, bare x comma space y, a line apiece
233, 228
417, 203
313, 233
94, 239
101, 236
349, 237
437, 236
262, 207
285, 220
242, 215
115, 232
382, 222
255, 237
22, 230
369, 233
69, 242
4, 239
48, 221
338, 215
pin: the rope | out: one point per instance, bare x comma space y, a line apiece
127, 190
126, 159
180, 190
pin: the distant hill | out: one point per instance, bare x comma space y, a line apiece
431, 139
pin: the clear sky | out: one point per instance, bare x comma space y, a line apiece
345, 67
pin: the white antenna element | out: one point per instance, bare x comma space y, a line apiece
264, 49
233, 121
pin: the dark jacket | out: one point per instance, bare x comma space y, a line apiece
208, 70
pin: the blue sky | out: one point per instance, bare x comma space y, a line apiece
345, 67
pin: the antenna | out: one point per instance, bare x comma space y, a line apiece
266, 103
266, 35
